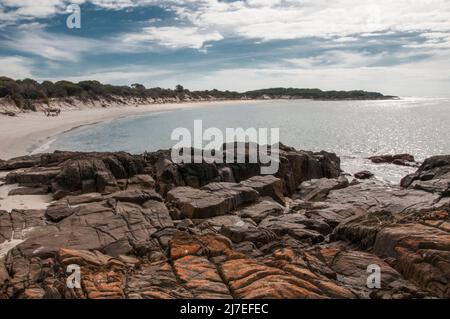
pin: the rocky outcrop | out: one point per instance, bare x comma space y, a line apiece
267, 185
318, 189
214, 199
144, 227
295, 167
261, 210
364, 175
36, 176
73, 173
432, 176
416, 243
20, 162
398, 159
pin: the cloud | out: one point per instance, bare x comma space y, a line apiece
55, 47
354, 59
342, 59
173, 37
15, 67
291, 19
128, 74
266, 20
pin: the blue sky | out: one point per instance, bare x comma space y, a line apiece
397, 47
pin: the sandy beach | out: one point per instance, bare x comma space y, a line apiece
28, 132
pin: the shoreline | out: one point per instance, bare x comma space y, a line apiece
26, 133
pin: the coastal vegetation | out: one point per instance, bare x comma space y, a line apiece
24, 92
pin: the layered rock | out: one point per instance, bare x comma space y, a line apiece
432, 176
318, 189
214, 199
397, 159
295, 167
144, 227
364, 175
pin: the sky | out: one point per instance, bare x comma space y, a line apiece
399, 47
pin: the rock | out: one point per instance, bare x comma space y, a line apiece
142, 181
227, 272
256, 235
123, 165
65, 207
351, 267
216, 223
432, 176
59, 210
373, 196
267, 185
304, 233
200, 276
318, 189
155, 280
198, 175
226, 175
439, 186
84, 199
261, 210
398, 159
102, 275
364, 175
185, 244
29, 191
299, 166
121, 229
4, 277
77, 173
136, 196
20, 162
423, 254
88, 259
215, 199
297, 226
21, 224
295, 167
35, 176
249, 279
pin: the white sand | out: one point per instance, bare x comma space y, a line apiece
24, 133
8, 203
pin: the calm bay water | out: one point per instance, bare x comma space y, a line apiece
352, 129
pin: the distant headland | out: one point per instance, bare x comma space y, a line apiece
30, 95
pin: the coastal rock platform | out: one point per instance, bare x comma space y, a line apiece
144, 227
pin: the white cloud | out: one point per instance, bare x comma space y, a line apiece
265, 20
15, 67
51, 46
173, 37
349, 59
293, 19
122, 75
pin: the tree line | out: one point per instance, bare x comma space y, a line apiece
23, 92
